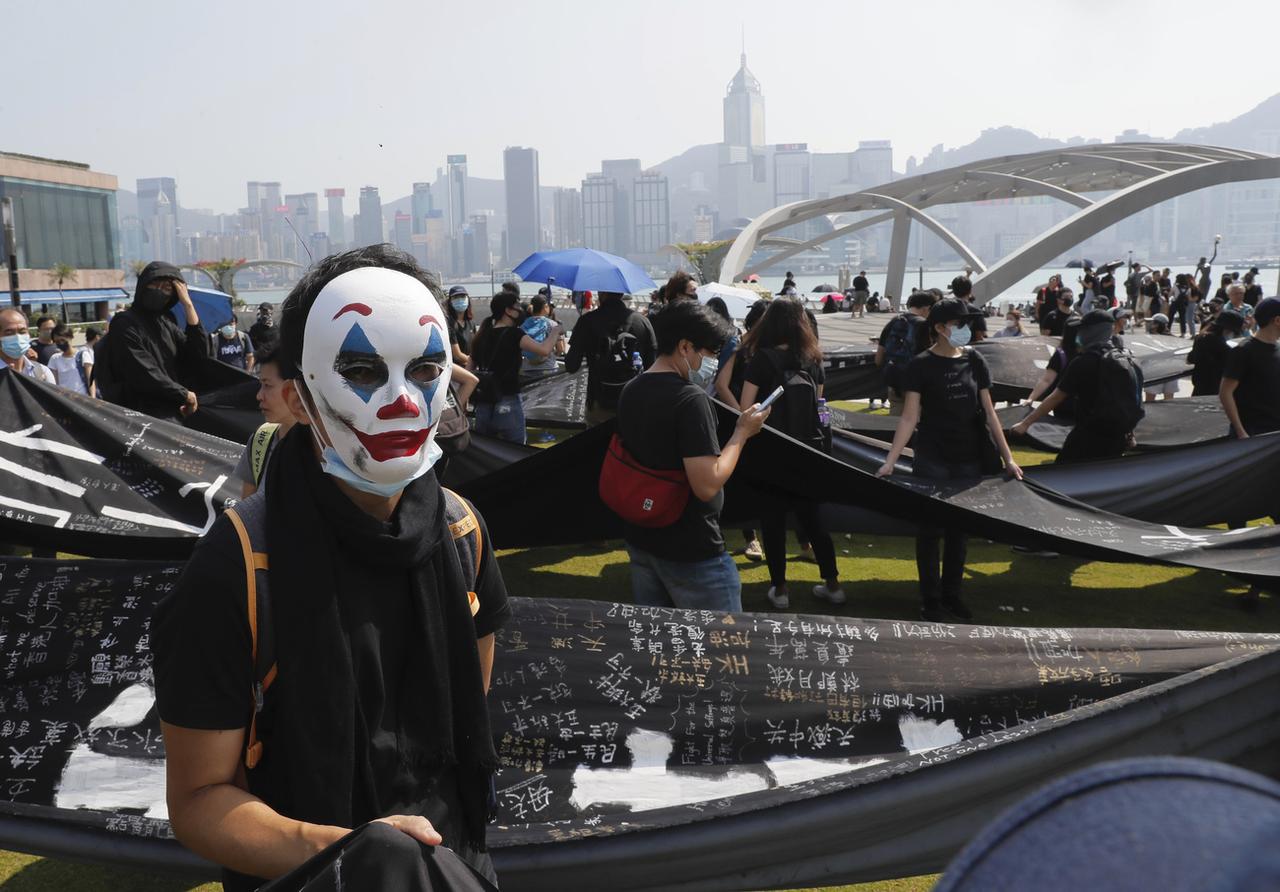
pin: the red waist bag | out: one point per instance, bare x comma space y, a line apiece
645, 497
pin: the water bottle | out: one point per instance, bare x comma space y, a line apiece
824, 424
636, 362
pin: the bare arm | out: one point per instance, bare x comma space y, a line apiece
1043, 385
749, 393
544, 349
997, 435
1227, 396
709, 473
902, 436
486, 648
722, 383
880, 354
1053, 401
467, 384
460, 359
184, 297
215, 818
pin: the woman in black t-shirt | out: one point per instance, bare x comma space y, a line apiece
948, 395
783, 349
462, 326
1208, 356
496, 356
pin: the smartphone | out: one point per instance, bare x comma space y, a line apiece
771, 398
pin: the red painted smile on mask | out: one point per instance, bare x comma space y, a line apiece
393, 444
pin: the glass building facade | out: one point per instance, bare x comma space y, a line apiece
63, 224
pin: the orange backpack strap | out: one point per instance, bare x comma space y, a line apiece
258, 610
464, 527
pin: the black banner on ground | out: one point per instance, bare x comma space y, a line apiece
1016, 364
558, 401
776, 466
625, 723
88, 477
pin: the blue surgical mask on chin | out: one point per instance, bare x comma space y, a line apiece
15, 345
332, 464
959, 336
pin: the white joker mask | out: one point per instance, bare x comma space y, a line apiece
375, 360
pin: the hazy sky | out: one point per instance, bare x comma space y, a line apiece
377, 92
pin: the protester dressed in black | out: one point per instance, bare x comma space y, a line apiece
1208, 356
589, 343
784, 352
497, 358
146, 362
1250, 391
958, 437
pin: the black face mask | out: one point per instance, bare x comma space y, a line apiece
151, 300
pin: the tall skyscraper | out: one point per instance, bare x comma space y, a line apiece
475, 245
158, 213
874, 162
568, 222
402, 232
524, 205
600, 213
744, 109
652, 221
623, 171
457, 193
369, 225
792, 169
304, 213
421, 204
337, 219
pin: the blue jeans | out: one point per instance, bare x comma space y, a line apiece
712, 584
503, 419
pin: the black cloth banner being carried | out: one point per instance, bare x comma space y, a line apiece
698, 745
89, 477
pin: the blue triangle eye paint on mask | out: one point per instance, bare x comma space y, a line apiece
357, 344
435, 345
357, 341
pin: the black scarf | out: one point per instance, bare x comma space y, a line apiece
312, 751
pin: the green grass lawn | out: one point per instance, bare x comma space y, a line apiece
878, 572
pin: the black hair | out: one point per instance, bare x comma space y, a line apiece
757, 310
294, 310
454, 316
91, 334
717, 306
961, 286
688, 320
537, 304
511, 287
785, 322
922, 299
609, 295
267, 354
43, 319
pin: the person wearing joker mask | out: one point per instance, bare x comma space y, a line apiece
383, 655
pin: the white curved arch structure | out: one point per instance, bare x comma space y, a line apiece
1138, 175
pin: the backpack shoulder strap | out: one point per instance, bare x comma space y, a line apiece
464, 527
260, 447
248, 519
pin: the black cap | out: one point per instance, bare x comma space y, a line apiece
458, 291
264, 308
949, 309
1098, 317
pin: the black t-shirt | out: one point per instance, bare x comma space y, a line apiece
1058, 363
766, 370
45, 352
1256, 365
263, 336
663, 419
591, 334
498, 352
1055, 322
951, 413
860, 283
1208, 358
1081, 381
204, 667
461, 332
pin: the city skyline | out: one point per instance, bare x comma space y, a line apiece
955, 74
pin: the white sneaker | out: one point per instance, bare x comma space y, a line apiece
753, 551
779, 599
835, 596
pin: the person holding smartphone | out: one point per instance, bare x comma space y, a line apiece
958, 437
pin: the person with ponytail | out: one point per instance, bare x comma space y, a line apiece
957, 437
496, 355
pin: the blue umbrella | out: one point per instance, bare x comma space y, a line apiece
582, 269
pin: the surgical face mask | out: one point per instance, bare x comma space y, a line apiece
15, 345
959, 336
228, 331
705, 373
376, 368
460, 304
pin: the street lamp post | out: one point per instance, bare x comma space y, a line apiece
11, 251
922, 274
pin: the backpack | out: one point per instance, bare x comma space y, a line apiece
899, 341
261, 445
613, 368
1117, 408
454, 434
796, 411
248, 518
85, 379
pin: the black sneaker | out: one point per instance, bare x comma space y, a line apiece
956, 608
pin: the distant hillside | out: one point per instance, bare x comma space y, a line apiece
1242, 132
